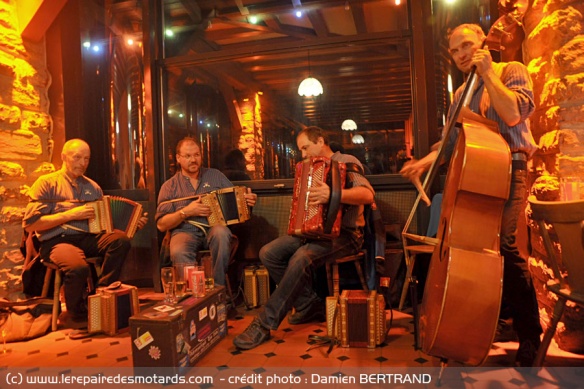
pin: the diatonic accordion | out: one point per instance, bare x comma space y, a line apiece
115, 213
228, 206
256, 286
111, 307
322, 221
359, 320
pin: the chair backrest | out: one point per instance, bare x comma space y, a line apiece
567, 219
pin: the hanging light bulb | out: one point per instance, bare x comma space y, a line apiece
310, 86
349, 125
358, 139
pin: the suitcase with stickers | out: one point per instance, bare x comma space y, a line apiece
178, 335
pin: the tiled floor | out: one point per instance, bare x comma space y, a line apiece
289, 353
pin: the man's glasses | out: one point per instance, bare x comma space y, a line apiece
189, 157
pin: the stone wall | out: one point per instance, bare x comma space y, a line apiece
25, 135
553, 50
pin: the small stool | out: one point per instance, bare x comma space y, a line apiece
94, 264
332, 271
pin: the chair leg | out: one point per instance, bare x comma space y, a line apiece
549, 332
56, 300
329, 278
228, 289
47, 282
410, 267
336, 289
360, 274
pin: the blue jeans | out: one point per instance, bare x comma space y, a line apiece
290, 262
518, 287
185, 245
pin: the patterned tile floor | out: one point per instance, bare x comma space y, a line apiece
288, 353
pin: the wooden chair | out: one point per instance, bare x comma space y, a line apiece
53, 269
567, 220
426, 247
332, 271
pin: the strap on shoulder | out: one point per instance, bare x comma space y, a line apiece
335, 199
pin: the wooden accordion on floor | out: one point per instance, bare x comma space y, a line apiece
115, 213
357, 318
321, 221
228, 206
256, 285
111, 307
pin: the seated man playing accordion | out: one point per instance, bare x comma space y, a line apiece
59, 216
182, 212
290, 260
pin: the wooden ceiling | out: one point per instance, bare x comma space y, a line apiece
359, 50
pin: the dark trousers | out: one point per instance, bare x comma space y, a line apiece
517, 284
69, 253
290, 262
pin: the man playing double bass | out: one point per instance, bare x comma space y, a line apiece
503, 94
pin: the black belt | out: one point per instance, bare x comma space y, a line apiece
519, 156
519, 160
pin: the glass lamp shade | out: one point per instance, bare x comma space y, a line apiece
349, 125
358, 139
310, 87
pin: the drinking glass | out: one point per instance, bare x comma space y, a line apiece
180, 284
571, 188
3, 318
168, 278
198, 281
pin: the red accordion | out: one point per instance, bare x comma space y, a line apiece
321, 221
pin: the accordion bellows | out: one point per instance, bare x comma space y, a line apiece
228, 206
312, 221
359, 320
115, 213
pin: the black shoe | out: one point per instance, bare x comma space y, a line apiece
526, 352
316, 312
505, 332
254, 335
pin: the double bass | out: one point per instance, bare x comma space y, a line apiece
462, 296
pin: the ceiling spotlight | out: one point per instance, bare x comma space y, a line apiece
298, 14
253, 19
169, 32
87, 44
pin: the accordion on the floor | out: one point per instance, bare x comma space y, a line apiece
317, 221
228, 206
256, 285
357, 318
111, 307
113, 212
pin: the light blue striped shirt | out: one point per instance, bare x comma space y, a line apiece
515, 77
